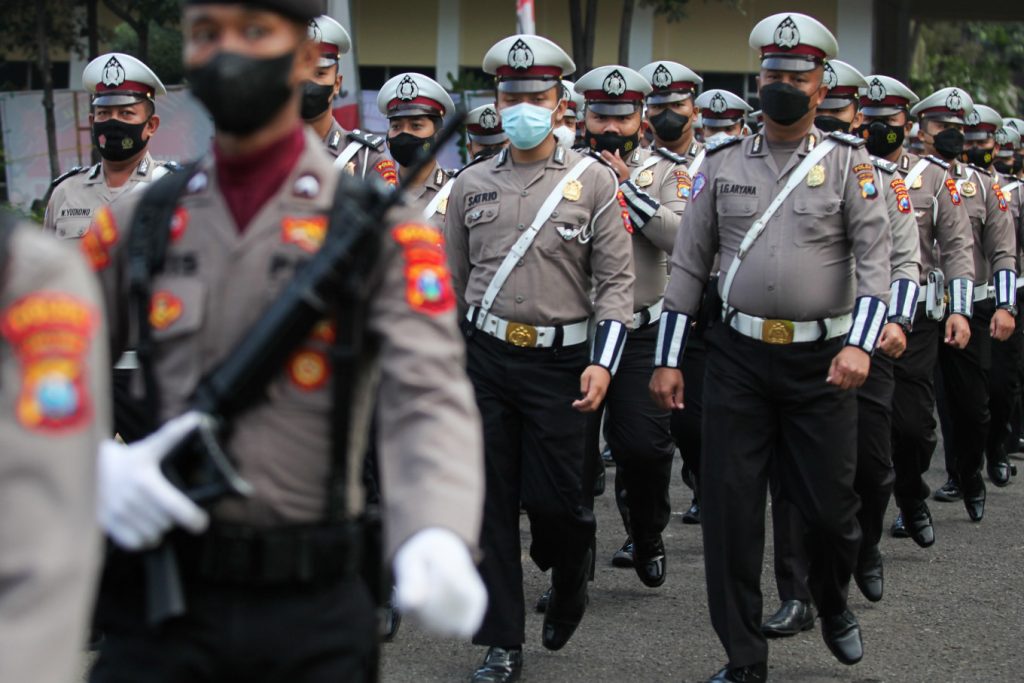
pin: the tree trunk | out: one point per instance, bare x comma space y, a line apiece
92, 28
624, 31
142, 31
576, 29
43, 61
588, 36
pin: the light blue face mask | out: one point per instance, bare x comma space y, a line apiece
527, 125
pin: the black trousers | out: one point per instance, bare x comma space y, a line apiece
1004, 387
533, 454
686, 423
766, 406
963, 403
639, 437
913, 406
873, 483
290, 634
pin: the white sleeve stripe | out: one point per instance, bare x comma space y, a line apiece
869, 315
672, 334
1006, 288
608, 343
903, 298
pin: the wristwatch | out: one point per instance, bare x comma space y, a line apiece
1011, 309
905, 323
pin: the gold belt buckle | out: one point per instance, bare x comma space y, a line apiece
777, 331
518, 334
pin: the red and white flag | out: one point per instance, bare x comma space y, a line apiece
524, 17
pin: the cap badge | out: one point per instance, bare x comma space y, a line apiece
489, 118
315, 34
787, 35
614, 84
1002, 137
876, 90
520, 56
973, 119
661, 78
113, 73
830, 79
407, 89
954, 102
718, 104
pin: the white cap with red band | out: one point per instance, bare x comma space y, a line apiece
721, 108
793, 42
613, 90
332, 37
527, 63
670, 82
950, 105
413, 94
116, 79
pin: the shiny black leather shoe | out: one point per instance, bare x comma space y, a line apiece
998, 466
542, 601
919, 525
623, 557
949, 492
500, 666
869, 574
649, 562
599, 483
754, 673
842, 636
566, 607
899, 529
692, 516
792, 617
974, 498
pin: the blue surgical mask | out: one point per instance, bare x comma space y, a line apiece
527, 125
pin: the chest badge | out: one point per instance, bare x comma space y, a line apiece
816, 176
916, 185
573, 190
442, 206
645, 178
567, 233
968, 189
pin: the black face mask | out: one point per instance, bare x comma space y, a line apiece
242, 93
117, 140
610, 142
783, 103
316, 99
949, 143
982, 158
881, 138
830, 124
1004, 168
405, 147
668, 125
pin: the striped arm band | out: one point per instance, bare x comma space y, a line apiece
641, 206
868, 317
673, 332
1006, 288
903, 299
961, 296
608, 343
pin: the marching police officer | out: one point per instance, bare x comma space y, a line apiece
671, 111
279, 565
415, 107
723, 114
529, 233
943, 226
796, 218
356, 152
485, 136
574, 108
123, 120
54, 411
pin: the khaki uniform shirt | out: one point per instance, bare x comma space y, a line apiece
371, 159
828, 243
991, 221
215, 285
586, 237
418, 198
54, 411
1013, 189
941, 221
79, 194
906, 252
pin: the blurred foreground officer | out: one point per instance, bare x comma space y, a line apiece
538, 246
356, 152
282, 564
802, 309
123, 119
415, 107
723, 114
485, 135
54, 411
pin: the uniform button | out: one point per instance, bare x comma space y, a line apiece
554, 214
520, 227
524, 193
521, 262
771, 288
520, 299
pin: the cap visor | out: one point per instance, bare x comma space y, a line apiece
614, 108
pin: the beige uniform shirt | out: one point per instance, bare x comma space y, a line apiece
215, 285
991, 221
76, 199
1013, 189
941, 221
418, 198
586, 237
828, 243
54, 411
906, 252
370, 161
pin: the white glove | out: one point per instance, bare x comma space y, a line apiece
436, 581
137, 504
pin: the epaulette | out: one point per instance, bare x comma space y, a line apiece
367, 139
847, 139
889, 167
722, 143
75, 170
671, 156
941, 163
334, 141
172, 166
980, 170
472, 162
597, 155
440, 176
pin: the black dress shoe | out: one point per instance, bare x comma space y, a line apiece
792, 617
500, 666
842, 636
692, 516
998, 467
542, 601
949, 492
919, 525
754, 673
599, 483
869, 575
649, 561
392, 620
899, 529
623, 557
567, 604
974, 498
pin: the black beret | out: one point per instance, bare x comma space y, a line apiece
300, 10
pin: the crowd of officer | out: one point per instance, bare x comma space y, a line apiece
786, 297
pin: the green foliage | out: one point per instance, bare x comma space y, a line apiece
165, 45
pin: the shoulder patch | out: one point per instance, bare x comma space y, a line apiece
899, 188
954, 193
722, 144
847, 139
172, 166
941, 163
684, 185
428, 283
385, 168
99, 239
889, 167
367, 139
671, 156
74, 170
1000, 197
624, 212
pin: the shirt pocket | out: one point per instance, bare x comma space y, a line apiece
817, 220
177, 312
71, 228
566, 231
483, 241
736, 214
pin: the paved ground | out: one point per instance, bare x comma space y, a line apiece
954, 612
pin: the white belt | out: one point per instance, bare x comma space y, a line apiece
982, 292
788, 331
652, 314
530, 336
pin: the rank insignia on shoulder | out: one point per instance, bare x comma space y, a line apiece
847, 139
884, 165
722, 143
428, 283
941, 163
440, 177
671, 156
74, 170
334, 141
173, 166
367, 139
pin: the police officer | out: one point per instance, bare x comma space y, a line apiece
803, 303
529, 233
575, 105
723, 114
874, 476
277, 566
485, 136
966, 417
356, 152
54, 411
415, 107
670, 109
943, 226
123, 120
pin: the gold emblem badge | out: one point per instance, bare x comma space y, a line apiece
968, 189
777, 332
442, 206
916, 185
645, 178
573, 190
518, 334
816, 176
350, 168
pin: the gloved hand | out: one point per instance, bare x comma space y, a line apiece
137, 504
641, 206
436, 581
